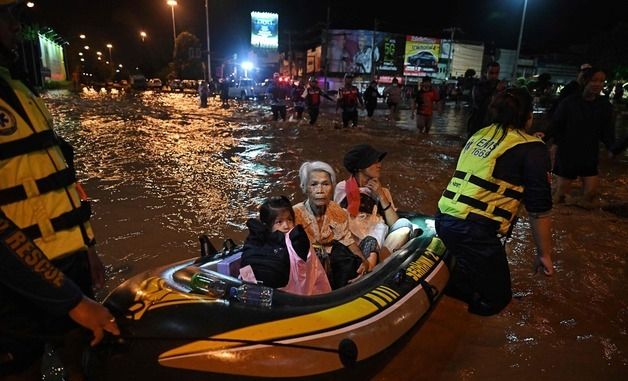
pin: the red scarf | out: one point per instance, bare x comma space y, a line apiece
353, 196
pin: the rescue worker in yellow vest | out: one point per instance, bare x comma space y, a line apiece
500, 167
45, 280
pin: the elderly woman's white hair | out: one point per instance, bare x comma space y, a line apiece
310, 166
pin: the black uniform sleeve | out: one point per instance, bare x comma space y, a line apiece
537, 196
528, 165
25, 270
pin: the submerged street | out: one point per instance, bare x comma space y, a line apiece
161, 171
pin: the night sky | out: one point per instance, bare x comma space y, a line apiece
550, 26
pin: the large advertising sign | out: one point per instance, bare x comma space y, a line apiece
421, 55
352, 51
52, 62
265, 30
391, 55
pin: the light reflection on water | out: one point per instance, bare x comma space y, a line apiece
162, 171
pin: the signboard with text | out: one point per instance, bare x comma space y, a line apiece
265, 30
391, 53
421, 55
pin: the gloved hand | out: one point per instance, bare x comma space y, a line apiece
300, 242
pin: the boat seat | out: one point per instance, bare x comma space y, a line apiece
230, 265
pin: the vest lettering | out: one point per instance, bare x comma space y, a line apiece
15, 240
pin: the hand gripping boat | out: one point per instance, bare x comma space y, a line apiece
173, 330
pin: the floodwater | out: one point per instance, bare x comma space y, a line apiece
161, 171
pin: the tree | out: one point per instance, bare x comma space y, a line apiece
611, 51
187, 56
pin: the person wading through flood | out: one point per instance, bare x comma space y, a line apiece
312, 95
500, 167
348, 100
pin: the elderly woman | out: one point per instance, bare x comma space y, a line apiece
327, 225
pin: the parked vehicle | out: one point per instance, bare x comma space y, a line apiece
138, 82
176, 85
244, 88
155, 84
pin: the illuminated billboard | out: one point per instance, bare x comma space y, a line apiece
52, 62
391, 55
421, 55
265, 30
350, 51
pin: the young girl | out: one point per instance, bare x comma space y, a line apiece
279, 253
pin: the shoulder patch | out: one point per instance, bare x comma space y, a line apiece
8, 124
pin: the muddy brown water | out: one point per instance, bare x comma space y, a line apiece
161, 171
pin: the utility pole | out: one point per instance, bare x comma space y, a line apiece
325, 50
523, 21
290, 53
453, 31
209, 62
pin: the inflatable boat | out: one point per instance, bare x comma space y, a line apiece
194, 318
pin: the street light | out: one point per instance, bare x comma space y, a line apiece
172, 4
82, 36
247, 65
109, 46
523, 20
142, 35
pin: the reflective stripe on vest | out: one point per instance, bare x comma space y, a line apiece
37, 189
57, 180
35, 142
473, 189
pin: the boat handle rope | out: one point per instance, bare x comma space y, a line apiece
430, 291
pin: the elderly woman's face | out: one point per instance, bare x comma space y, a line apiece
319, 188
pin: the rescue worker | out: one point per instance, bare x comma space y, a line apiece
298, 101
348, 99
500, 166
277, 93
312, 97
44, 231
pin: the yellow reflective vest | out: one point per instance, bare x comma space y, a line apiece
37, 188
473, 189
